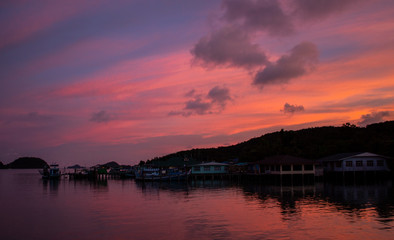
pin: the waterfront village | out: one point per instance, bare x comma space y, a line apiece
314, 153
273, 168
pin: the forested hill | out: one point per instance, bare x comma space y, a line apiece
310, 143
27, 162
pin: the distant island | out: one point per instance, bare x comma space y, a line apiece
25, 163
110, 165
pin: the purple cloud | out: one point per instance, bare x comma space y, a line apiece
373, 117
270, 15
301, 60
291, 109
308, 10
214, 102
228, 47
190, 93
231, 45
198, 105
101, 117
220, 96
264, 15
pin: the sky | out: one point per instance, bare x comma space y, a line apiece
87, 82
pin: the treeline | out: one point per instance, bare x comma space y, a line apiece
25, 163
312, 143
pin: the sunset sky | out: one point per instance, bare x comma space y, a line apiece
87, 82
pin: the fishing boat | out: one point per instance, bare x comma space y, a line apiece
51, 172
155, 174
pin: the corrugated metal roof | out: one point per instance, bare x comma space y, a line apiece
343, 156
338, 157
368, 154
284, 160
212, 164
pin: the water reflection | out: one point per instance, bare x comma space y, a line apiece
97, 185
355, 200
164, 186
358, 196
50, 184
287, 197
211, 209
182, 186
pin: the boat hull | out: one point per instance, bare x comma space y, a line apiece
51, 172
175, 177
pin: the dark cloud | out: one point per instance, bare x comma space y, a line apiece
319, 9
270, 16
101, 117
177, 113
262, 15
219, 95
291, 109
232, 45
213, 102
228, 47
31, 117
373, 117
301, 60
190, 93
198, 105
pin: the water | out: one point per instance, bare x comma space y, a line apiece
32, 208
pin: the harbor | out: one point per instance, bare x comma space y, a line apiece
281, 168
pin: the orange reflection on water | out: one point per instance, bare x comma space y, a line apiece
211, 209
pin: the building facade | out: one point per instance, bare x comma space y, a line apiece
355, 162
286, 165
210, 168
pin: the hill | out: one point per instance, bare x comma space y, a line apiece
112, 164
27, 162
309, 143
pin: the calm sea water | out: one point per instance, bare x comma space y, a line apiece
33, 208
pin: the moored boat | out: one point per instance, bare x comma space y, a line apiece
155, 174
51, 172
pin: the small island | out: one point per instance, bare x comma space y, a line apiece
26, 163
